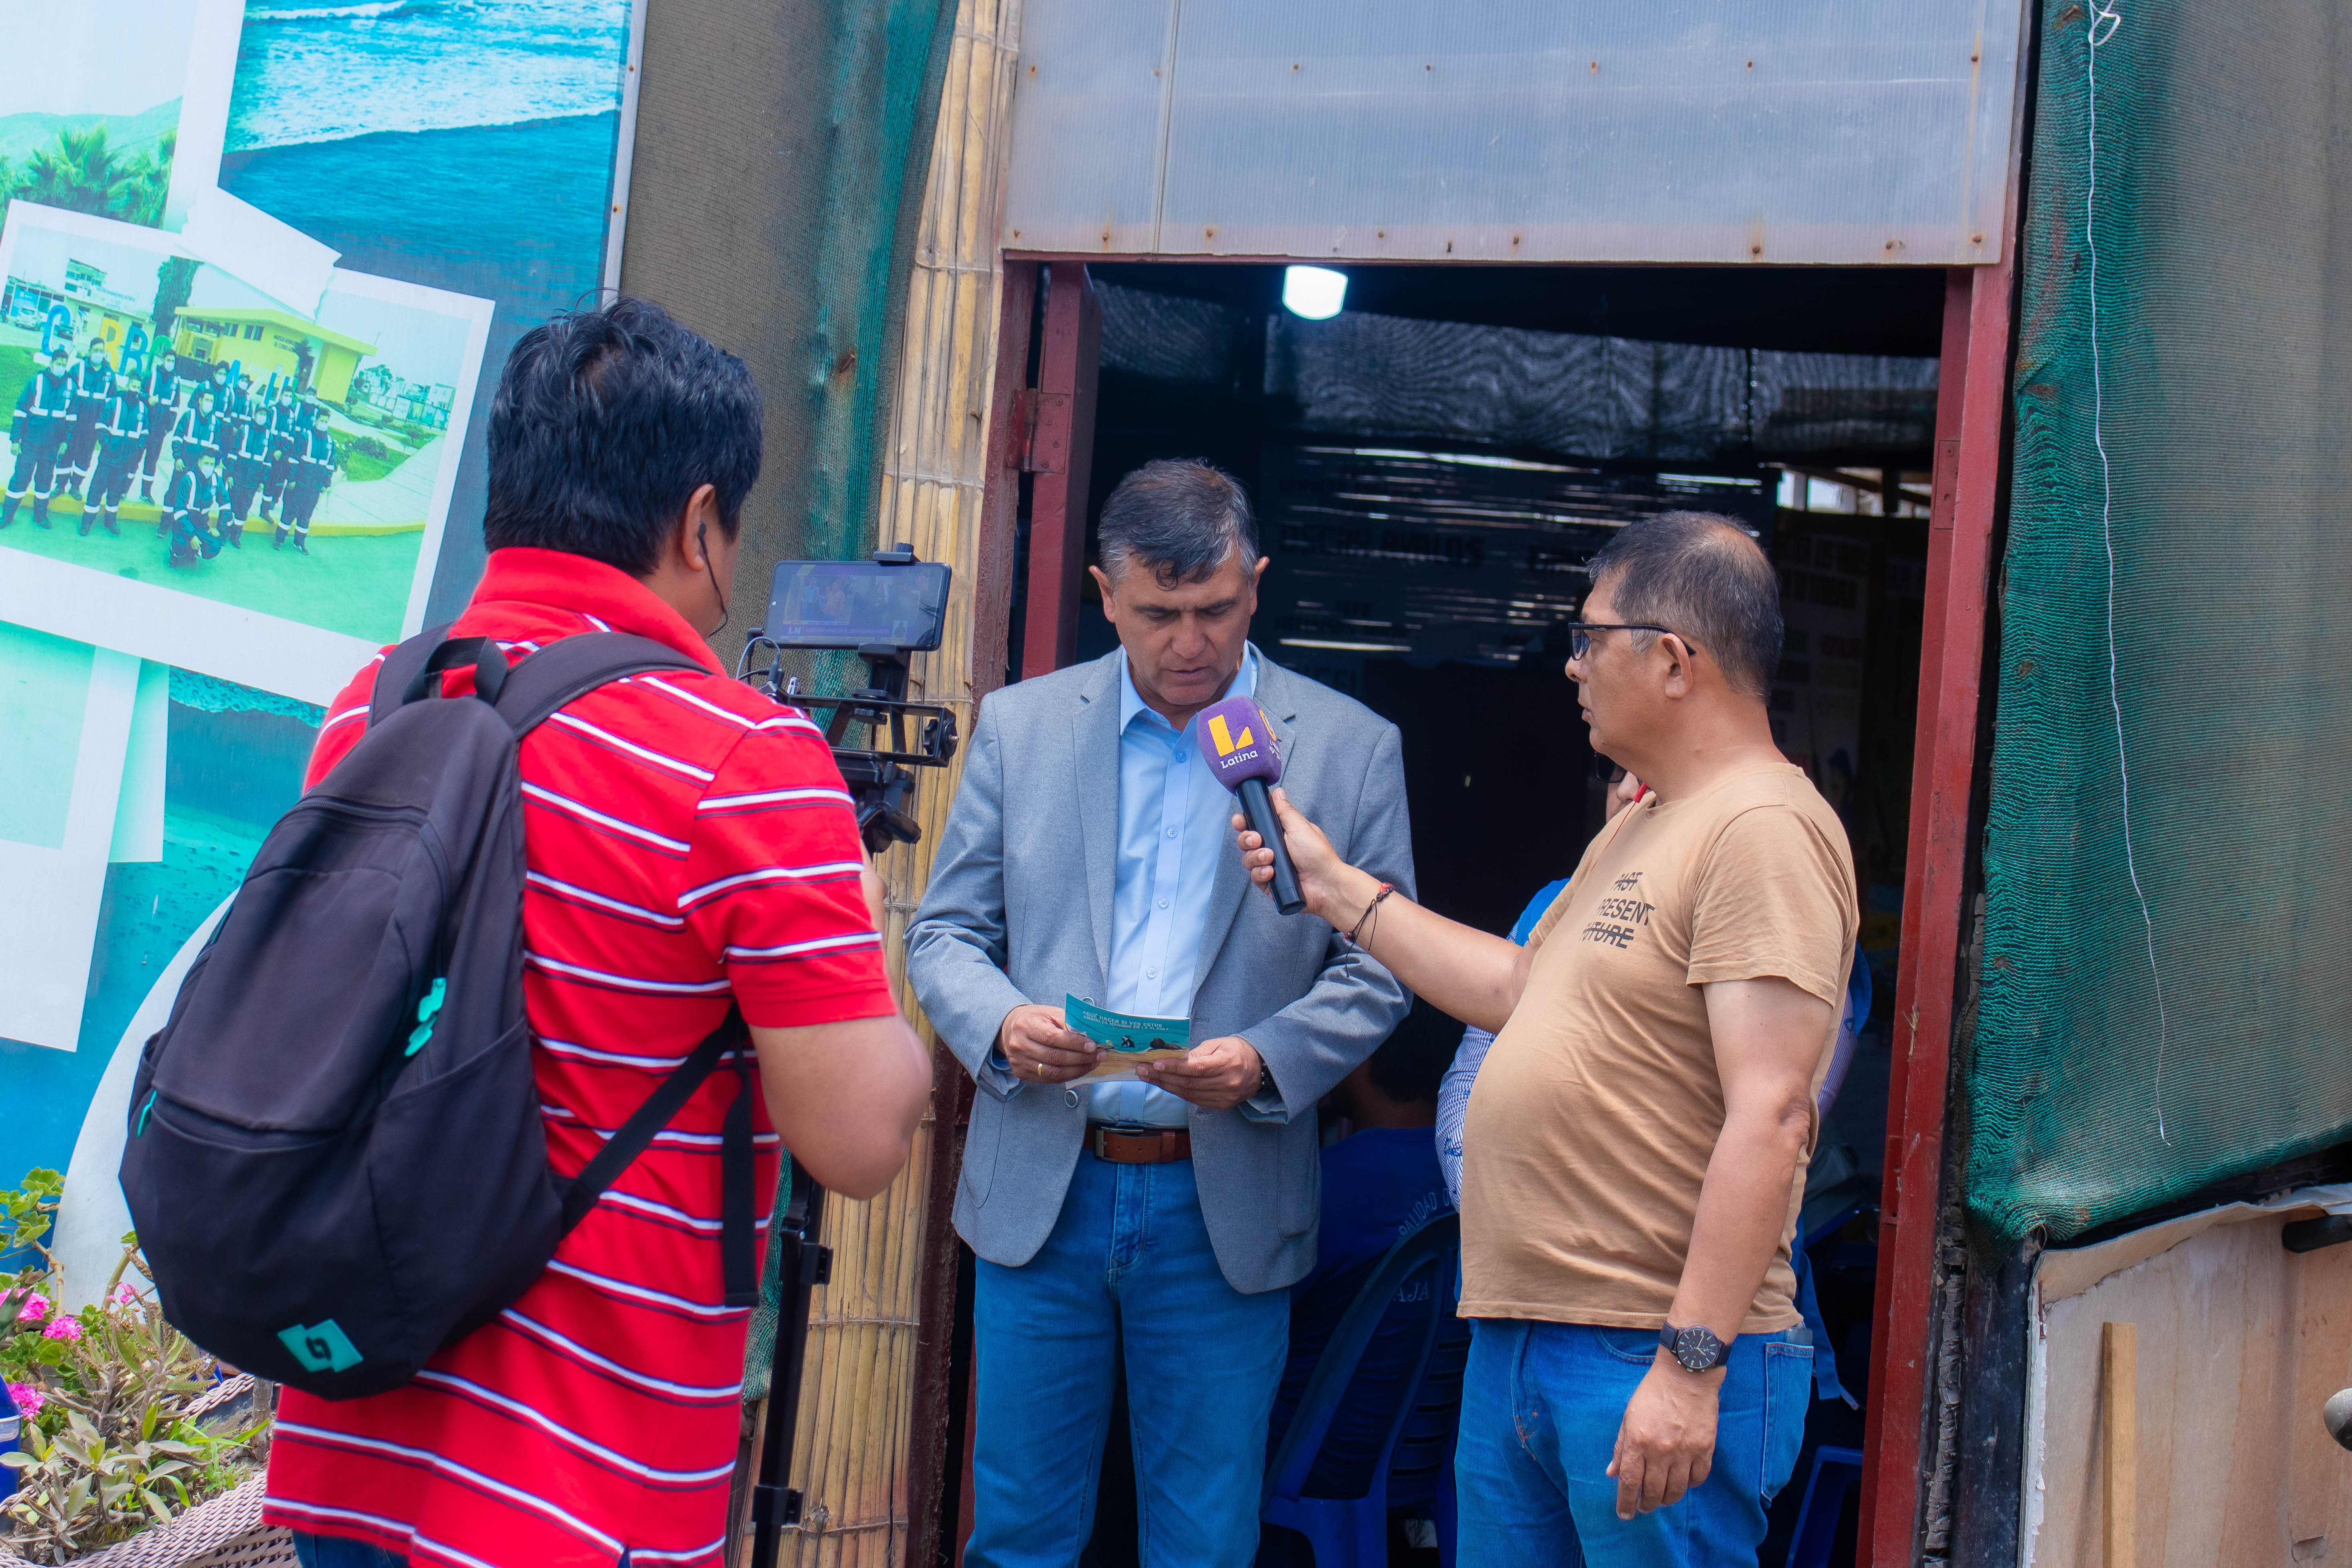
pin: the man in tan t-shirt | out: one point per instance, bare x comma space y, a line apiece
1637, 1141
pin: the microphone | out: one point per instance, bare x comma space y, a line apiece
1238, 741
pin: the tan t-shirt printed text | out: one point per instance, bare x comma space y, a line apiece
1598, 1107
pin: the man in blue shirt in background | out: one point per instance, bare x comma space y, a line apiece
1381, 1184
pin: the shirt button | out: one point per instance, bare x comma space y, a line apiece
1151, 975
1171, 832
1163, 904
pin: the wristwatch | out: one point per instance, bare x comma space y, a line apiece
1693, 1349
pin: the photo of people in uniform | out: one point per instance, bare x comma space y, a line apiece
171, 412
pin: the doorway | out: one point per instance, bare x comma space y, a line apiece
1432, 470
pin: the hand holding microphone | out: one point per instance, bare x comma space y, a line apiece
1334, 890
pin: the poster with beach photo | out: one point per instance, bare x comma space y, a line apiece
387, 369
450, 172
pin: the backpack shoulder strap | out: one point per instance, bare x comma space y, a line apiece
400, 666
738, 1223
574, 666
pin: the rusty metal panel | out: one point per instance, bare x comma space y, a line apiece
1698, 130
1088, 114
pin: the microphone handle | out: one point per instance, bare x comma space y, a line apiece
1258, 806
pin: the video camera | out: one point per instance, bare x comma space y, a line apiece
882, 610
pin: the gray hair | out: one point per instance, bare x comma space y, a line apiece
1181, 517
1699, 575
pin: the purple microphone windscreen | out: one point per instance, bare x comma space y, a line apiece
1238, 742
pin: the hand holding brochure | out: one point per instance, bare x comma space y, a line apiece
1129, 1037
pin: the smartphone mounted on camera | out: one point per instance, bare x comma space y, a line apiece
883, 610
901, 604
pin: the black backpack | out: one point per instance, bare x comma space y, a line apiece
336, 1163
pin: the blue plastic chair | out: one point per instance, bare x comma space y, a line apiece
1817, 1517
1346, 1520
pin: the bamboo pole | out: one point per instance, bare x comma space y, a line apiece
2119, 1443
850, 1458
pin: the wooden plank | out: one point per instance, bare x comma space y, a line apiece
1971, 396
2119, 1440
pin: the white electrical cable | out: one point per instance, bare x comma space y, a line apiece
2112, 18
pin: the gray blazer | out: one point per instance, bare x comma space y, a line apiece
1019, 911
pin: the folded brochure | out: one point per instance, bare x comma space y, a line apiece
1130, 1038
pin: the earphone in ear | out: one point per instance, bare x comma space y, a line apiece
701, 542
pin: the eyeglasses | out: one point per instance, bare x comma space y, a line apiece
1579, 635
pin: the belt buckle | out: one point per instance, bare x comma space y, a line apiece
1098, 1135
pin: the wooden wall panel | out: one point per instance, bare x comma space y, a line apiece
2238, 1342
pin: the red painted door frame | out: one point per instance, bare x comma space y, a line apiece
1046, 431
1971, 395
1059, 416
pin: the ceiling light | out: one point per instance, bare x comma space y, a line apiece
1313, 293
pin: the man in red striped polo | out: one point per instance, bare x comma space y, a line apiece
689, 845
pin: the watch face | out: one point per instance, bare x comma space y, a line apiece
1697, 1349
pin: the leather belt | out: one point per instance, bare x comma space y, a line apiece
1138, 1145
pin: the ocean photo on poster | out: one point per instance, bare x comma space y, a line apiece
427, 64
463, 144
455, 131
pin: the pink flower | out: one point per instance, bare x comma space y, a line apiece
27, 1398
124, 1295
36, 1307
62, 1329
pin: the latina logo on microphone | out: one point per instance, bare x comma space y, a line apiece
1239, 742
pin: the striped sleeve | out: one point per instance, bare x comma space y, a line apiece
345, 722
771, 886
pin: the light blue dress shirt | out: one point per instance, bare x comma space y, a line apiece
1174, 820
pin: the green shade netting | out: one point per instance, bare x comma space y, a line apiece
2165, 1002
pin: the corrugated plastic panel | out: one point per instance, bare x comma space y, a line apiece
1701, 130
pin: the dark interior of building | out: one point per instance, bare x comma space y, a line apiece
1433, 467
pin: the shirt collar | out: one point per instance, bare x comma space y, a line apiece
1130, 701
575, 583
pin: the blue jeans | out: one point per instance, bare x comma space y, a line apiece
1127, 1272
1540, 1407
